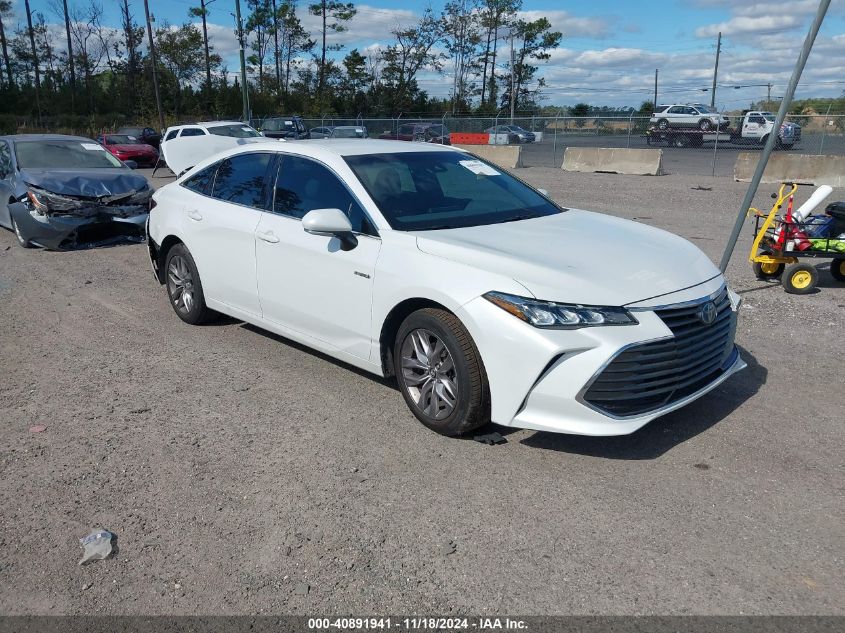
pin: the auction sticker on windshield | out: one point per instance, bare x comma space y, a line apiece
479, 168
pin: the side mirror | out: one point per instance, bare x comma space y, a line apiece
330, 222
131, 164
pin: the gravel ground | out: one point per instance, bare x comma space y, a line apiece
246, 474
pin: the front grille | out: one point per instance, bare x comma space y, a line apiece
653, 375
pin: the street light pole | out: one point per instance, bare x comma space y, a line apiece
244, 91
153, 62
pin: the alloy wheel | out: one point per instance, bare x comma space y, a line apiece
428, 374
180, 283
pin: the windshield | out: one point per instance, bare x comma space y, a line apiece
60, 154
238, 130
122, 139
418, 191
349, 132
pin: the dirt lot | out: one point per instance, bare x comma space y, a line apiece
245, 474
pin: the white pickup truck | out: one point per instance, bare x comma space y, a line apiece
755, 128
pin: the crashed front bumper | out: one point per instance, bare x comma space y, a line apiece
58, 232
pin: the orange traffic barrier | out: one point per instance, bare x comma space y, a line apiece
469, 138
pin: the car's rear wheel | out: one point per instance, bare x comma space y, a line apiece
23, 241
184, 286
440, 372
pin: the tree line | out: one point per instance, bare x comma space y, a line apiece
70, 66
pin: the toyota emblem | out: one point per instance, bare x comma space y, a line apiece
708, 312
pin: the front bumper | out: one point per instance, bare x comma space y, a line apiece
538, 378
60, 232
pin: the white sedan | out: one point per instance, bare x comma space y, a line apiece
482, 297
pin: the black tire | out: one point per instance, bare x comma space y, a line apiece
195, 312
837, 269
662, 124
704, 125
471, 407
764, 140
765, 272
25, 243
799, 279
681, 140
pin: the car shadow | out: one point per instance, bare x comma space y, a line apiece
225, 320
664, 433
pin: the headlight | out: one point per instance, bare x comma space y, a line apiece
38, 200
562, 316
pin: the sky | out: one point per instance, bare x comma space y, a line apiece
610, 48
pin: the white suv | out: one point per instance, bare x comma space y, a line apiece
696, 115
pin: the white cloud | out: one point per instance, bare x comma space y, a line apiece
741, 25
568, 24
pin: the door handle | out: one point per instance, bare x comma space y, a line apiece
268, 236
195, 215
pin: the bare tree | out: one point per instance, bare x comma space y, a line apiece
332, 14
202, 12
86, 29
34, 60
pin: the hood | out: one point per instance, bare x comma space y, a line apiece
577, 257
133, 148
85, 183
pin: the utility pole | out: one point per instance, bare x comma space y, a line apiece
244, 92
655, 89
34, 62
154, 63
768, 94
716, 71
513, 80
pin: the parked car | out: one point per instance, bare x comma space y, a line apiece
126, 147
67, 191
425, 132
291, 128
340, 131
144, 134
186, 145
484, 299
696, 115
514, 133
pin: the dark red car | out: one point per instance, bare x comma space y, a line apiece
425, 132
126, 147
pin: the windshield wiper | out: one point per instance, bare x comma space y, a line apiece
518, 217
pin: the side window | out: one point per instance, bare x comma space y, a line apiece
241, 179
171, 134
192, 131
201, 181
675, 110
303, 185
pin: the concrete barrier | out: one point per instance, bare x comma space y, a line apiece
788, 167
639, 162
505, 156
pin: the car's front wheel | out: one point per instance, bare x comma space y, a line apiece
184, 286
704, 125
440, 372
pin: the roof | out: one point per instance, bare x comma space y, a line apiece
355, 146
207, 124
44, 137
